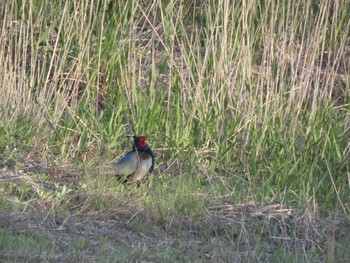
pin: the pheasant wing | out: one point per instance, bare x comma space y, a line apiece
125, 166
145, 160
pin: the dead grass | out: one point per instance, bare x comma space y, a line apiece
133, 231
135, 236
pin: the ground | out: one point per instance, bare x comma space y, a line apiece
227, 232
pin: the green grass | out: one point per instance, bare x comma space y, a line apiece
243, 104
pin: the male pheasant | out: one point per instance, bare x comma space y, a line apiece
134, 165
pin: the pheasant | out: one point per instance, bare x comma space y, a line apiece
134, 165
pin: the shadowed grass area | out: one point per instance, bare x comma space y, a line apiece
246, 106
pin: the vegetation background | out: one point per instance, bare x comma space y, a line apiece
245, 103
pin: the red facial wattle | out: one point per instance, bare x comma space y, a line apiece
142, 141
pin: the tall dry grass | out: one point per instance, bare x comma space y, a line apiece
222, 87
